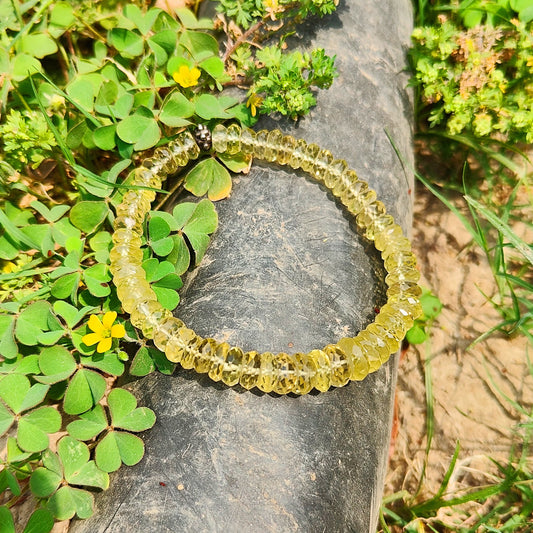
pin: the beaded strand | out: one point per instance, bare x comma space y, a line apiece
351, 358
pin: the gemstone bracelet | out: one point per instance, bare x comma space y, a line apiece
351, 358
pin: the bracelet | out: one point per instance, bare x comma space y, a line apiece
351, 358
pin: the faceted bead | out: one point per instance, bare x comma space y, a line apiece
234, 139
133, 253
404, 291
402, 244
128, 222
250, 370
392, 341
134, 288
217, 363
347, 179
362, 197
284, 373
388, 236
123, 269
192, 150
391, 322
341, 367
298, 154
156, 166
181, 344
286, 148
378, 343
178, 152
399, 260
247, 140
404, 314
273, 145
333, 173
354, 351
266, 373
260, 144
401, 274
124, 236
311, 153
306, 368
232, 367
381, 223
152, 320
164, 156
146, 178
322, 381
220, 139
370, 353
165, 330
204, 355
141, 316
322, 164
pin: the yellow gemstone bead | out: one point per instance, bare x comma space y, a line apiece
164, 156
146, 178
232, 367
123, 270
341, 367
220, 139
190, 145
247, 140
333, 173
378, 343
391, 322
233, 139
217, 363
250, 370
298, 154
362, 196
131, 223
260, 144
406, 315
151, 321
370, 353
310, 155
178, 152
165, 330
287, 145
124, 236
401, 274
321, 165
180, 345
306, 368
133, 253
322, 381
202, 358
273, 145
354, 351
400, 260
344, 183
388, 236
141, 316
266, 373
392, 341
284, 373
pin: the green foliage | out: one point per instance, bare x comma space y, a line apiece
431, 309
476, 78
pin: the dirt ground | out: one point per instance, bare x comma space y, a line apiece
469, 384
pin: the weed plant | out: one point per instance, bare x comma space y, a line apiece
472, 70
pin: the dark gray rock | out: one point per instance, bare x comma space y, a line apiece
285, 272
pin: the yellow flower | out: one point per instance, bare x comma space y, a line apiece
254, 101
103, 332
8, 267
187, 77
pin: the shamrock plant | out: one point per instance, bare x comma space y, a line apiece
88, 90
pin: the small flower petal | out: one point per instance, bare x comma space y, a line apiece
104, 345
95, 324
118, 331
108, 319
90, 339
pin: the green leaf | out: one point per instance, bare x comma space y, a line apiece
209, 107
24, 65
9, 481
56, 363
166, 290
125, 414
156, 270
175, 110
117, 448
84, 391
127, 42
6, 419
158, 228
13, 390
142, 365
37, 44
106, 362
68, 501
88, 215
416, 335
51, 215
143, 132
32, 322
44, 482
41, 521
6, 520
83, 90
34, 427
96, 278
14, 453
67, 286
237, 162
34, 396
49, 338
89, 425
62, 15
70, 314
162, 247
8, 346
78, 469
104, 137
180, 255
200, 45
214, 66
211, 177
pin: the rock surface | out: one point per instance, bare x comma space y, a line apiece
285, 272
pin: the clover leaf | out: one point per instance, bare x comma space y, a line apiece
165, 283
147, 359
85, 389
210, 177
